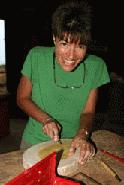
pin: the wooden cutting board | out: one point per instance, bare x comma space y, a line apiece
65, 166
104, 140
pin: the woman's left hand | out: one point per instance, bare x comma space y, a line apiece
87, 150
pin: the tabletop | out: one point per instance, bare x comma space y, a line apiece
101, 169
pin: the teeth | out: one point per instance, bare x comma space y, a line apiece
69, 62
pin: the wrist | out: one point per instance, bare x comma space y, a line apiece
47, 120
84, 133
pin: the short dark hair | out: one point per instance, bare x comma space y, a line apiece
74, 19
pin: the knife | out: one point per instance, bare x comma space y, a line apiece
59, 141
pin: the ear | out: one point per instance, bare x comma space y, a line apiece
54, 40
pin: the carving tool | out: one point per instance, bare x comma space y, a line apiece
59, 141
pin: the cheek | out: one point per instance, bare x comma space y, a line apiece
82, 54
59, 53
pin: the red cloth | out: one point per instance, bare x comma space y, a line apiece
42, 173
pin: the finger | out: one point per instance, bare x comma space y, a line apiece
56, 130
89, 153
47, 130
85, 152
56, 138
44, 130
51, 133
83, 160
93, 152
52, 130
82, 156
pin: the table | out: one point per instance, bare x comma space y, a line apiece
11, 163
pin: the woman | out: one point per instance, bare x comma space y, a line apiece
59, 85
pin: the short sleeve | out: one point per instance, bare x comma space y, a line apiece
96, 72
101, 75
27, 66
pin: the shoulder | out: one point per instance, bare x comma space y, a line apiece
97, 71
38, 50
94, 63
94, 60
39, 55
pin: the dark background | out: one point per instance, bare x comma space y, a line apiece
29, 24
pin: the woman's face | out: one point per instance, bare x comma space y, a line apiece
69, 54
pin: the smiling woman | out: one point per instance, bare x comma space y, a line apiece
59, 84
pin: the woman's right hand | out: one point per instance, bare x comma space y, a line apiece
52, 129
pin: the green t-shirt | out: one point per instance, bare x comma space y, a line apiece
63, 104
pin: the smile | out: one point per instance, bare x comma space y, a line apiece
69, 62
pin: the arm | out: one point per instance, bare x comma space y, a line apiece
87, 150
87, 115
25, 102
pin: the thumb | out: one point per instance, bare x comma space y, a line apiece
56, 138
56, 135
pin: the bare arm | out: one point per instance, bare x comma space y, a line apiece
87, 116
25, 102
87, 150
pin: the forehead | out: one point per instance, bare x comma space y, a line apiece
70, 37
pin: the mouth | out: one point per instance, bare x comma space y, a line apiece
69, 62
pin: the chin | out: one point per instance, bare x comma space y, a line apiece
68, 69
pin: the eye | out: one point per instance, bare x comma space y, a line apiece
63, 43
82, 46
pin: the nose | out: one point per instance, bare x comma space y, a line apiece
71, 53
